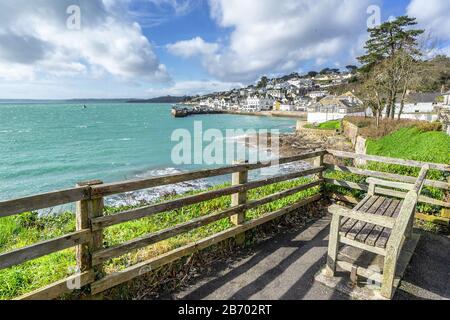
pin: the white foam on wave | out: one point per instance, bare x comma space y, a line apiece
150, 195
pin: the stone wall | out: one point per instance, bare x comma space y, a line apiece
359, 143
350, 131
322, 133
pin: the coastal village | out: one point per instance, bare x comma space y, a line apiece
116, 201
314, 98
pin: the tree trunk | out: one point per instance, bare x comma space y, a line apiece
402, 102
392, 105
379, 108
378, 117
388, 108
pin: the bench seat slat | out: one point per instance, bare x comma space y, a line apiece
349, 223
359, 225
386, 233
377, 230
364, 232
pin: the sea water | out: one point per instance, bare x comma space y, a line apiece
52, 146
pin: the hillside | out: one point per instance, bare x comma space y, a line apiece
165, 99
433, 74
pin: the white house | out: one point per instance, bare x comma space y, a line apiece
254, 104
317, 94
335, 108
447, 98
301, 83
275, 93
223, 104
419, 106
302, 103
287, 107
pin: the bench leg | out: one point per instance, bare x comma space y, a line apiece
333, 245
387, 287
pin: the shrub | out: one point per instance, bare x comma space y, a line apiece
429, 126
369, 129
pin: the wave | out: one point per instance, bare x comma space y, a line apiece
150, 195
147, 196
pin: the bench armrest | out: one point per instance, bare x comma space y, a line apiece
383, 221
391, 184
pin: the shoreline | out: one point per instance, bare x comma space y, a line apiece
275, 114
183, 113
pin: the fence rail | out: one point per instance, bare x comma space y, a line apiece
91, 221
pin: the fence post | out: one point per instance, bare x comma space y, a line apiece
239, 199
85, 211
318, 162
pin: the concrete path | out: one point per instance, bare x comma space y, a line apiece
284, 268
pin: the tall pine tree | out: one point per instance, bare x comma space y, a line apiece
385, 43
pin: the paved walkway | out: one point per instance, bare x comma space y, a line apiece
284, 268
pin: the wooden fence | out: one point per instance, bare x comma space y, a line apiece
91, 221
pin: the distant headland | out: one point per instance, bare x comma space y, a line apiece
165, 99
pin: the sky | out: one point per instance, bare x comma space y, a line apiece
65, 49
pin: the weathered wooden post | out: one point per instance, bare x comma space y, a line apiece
85, 211
319, 162
333, 246
237, 199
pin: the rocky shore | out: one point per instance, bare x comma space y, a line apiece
308, 141
304, 141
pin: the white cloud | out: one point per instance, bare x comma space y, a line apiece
433, 15
281, 35
35, 40
193, 47
183, 88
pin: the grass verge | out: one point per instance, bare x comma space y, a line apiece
329, 125
412, 143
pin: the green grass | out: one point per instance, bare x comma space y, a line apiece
26, 229
329, 125
407, 143
413, 144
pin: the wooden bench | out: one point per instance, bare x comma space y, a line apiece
377, 224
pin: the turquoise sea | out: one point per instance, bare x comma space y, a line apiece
52, 146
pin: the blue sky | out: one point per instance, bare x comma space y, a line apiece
147, 48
